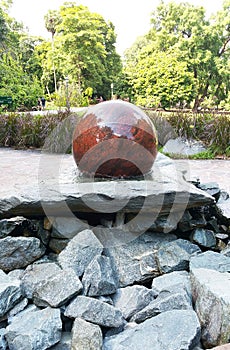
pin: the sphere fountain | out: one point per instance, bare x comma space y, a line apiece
115, 139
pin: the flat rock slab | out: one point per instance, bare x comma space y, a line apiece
34, 183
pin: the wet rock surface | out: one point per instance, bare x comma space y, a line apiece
115, 279
53, 182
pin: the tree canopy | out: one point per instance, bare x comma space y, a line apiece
184, 58
83, 49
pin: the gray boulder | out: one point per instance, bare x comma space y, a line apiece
11, 226
174, 330
95, 311
18, 252
211, 299
67, 227
224, 208
226, 250
211, 188
80, 251
171, 279
106, 299
100, 277
64, 343
187, 222
175, 256
28, 310
10, 293
204, 237
171, 298
20, 306
35, 274
35, 330
147, 221
3, 344
132, 299
57, 289
57, 244
86, 335
210, 260
136, 261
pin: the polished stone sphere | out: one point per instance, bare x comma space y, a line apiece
114, 139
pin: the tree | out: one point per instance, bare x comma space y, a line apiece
52, 19
19, 67
84, 49
6, 5
16, 83
4, 30
182, 32
161, 80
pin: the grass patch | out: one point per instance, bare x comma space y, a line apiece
208, 154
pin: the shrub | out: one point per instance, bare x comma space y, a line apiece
25, 130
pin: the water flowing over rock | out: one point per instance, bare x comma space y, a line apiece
48, 188
181, 146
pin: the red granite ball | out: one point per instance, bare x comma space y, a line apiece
114, 139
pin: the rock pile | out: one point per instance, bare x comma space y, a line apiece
62, 286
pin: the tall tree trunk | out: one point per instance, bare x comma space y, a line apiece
54, 70
200, 98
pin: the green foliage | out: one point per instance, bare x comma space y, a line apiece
208, 154
71, 96
25, 130
3, 29
14, 82
184, 59
20, 69
161, 80
83, 49
52, 19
